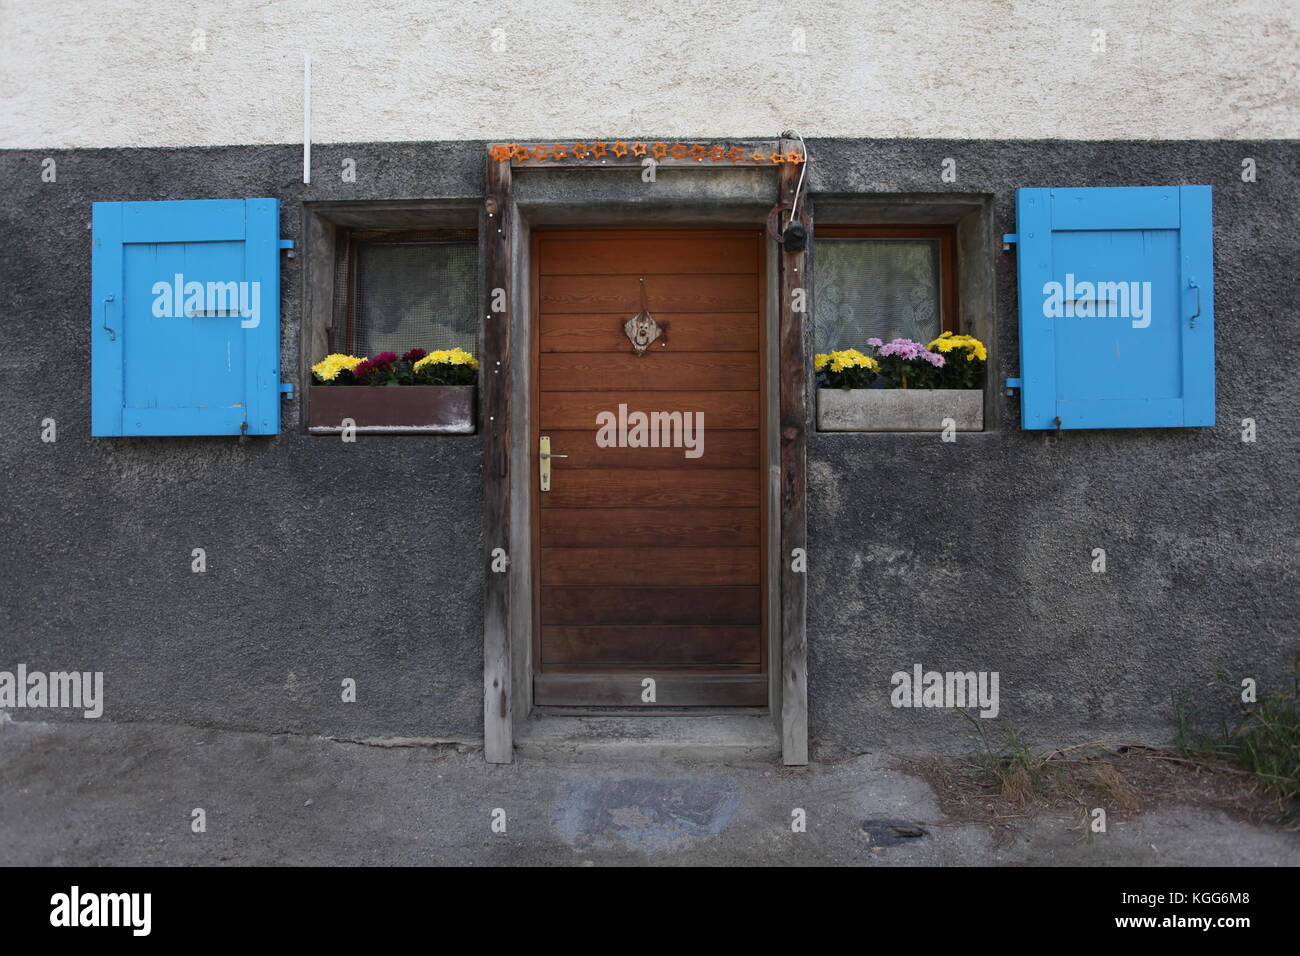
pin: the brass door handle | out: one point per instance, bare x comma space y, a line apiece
544, 453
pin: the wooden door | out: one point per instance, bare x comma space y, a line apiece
649, 545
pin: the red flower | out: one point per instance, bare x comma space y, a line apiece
414, 355
363, 370
384, 358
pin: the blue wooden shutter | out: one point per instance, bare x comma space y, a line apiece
1105, 364
185, 322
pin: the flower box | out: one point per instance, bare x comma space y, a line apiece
899, 409
393, 410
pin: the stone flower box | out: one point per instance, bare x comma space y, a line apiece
393, 409
899, 409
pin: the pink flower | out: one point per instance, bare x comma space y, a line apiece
903, 348
874, 342
935, 359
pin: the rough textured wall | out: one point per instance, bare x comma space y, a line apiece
973, 555
977, 555
221, 72
325, 560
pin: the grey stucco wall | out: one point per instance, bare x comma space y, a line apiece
325, 560
976, 555
329, 560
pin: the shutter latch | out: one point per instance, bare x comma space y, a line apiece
286, 389
1008, 239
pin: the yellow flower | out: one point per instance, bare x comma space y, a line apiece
947, 342
328, 368
844, 359
456, 356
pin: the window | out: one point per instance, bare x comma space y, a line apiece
395, 291
885, 282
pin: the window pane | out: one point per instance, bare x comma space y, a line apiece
413, 294
887, 288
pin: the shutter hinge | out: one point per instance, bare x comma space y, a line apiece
1009, 238
1012, 384
288, 244
286, 389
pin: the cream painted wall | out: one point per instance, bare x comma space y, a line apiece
79, 73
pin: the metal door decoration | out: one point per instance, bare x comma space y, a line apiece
642, 329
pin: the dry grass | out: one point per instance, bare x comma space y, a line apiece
996, 789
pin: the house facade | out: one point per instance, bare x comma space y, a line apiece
646, 225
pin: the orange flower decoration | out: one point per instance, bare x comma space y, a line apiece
620, 149
499, 152
757, 157
539, 151
659, 150
678, 151
716, 153
777, 157
698, 151
580, 151
598, 149
518, 152
559, 151
638, 149
793, 158
736, 154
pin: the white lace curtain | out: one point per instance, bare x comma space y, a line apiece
886, 288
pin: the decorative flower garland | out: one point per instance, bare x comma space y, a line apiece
619, 149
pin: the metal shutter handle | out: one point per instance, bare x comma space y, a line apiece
112, 336
1191, 323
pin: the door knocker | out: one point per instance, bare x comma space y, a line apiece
642, 329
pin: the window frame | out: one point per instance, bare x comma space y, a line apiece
345, 305
949, 301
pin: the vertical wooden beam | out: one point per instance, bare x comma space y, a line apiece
494, 419
796, 299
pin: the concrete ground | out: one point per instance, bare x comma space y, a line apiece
111, 794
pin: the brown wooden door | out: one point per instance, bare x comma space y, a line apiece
649, 560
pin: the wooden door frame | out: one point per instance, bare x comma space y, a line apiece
505, 423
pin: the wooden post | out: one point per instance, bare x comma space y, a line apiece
494, 415
796, 300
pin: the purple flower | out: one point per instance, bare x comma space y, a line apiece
903, 348
934, 358
874, 342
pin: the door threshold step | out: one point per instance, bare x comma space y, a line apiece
715, 737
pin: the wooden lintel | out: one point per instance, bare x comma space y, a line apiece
703, 154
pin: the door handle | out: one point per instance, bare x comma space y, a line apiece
544, 453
